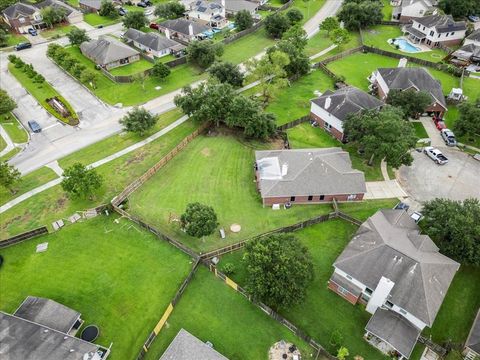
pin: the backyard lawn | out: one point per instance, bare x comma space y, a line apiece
247, 46
387, 10
104, 270
94, 19
132, 68
223, 178
321, 41
212, 311
13, 128
377, 36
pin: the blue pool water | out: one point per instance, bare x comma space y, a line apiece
405, 45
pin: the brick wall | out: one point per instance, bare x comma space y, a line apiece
352, 299
333, 131
269, 201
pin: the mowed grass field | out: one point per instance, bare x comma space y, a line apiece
216, 171
117, 276
212, 311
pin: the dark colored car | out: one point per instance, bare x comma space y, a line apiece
32, 32
142, 4
34, 126
147, 2
154, 26
402, 206
122, 12
22, 46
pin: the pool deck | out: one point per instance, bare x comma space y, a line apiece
423, 48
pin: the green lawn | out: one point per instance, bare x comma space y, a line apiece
13, 128
387, 10
60, 30
212, 311
3, 144
224, 179
377, 36
363, 210
14, 39
41, 92
323, 311
308, 8
247, 46
27, 183
103, 270
132, 68
10, 154
321, 41
133, 93
420, 130
52, 204
293, 102
94, 19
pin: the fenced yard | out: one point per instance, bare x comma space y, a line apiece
102, 269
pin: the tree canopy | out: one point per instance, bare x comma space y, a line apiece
382, 134
199, 220
279, 270
412, 102
294, 16
329, 24
455, 228
170, 10
9, 176
77, 36
276, 24
203, 53
160, 71
468, 122
80, 181
460, 8
107, 8
298, 62
52, 15
226, 72
243, 20
340, 36
138, 120
135, 20
356, 15
7, 104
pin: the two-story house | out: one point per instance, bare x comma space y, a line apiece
469, 53
399, 274
413, 9
209, 13
436, 30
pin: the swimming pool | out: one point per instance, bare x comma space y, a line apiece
405, 45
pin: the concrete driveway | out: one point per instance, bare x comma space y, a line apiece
330, 8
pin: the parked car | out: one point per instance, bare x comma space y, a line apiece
22, 46
449, 137
436, 155
122, 12
99, 26
439, 123
474, 18
32, 32
142, 4
154, 26
402, 206
34, 126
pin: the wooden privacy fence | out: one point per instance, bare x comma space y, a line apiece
156, 330
270, 312
293, 123
430, 344
339, 56
348, 218
150, 172
23, 236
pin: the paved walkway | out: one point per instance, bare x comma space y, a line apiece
432, 131
323, 52
383, 168
384, 190
328, 9
55, 167
10, 145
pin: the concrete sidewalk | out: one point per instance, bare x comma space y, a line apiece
10, 145
384, 190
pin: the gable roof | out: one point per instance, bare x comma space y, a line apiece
326, 171
426, 4
185, 346
94, 4
19, 9
23, 339
474, 36
473, 340
389, 244
48, 313
151, 40
442, 23
106, 50
347, 100
204, 6
407, 77
181, 26
467, 51
56, 4
238, 5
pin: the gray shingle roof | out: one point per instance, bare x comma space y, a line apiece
238, 5
203, 6
389, 244
326, 171
442, 23
426, 3
468, 51
19, 9
105, 51
473, 340
394, 329
48, 312
407, 77
475, 36
56, 4
347, 100
22, 339
151, 40
94, 4
185, 346
181, 26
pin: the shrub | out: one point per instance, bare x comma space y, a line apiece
1, 260
228, 269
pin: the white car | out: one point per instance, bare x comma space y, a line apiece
436, 155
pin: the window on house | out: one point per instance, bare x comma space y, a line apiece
22, 20
452, 33
424, 28
349, 277
439, 35
419, 26
368, 291
327, 126
322, 197
389, 304
403, 312
431, 33
446, 35
342, 291
292, 198
310, 198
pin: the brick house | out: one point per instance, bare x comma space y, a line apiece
307, 176
332, 108
399, 274
436, 30
109, 53
413, 9
405, 78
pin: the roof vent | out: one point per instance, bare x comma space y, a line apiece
190, 29
71, 350
328, 102
284, 169
45, 330
65, 337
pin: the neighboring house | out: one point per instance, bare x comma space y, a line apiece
182, 29
473, 38
22, 16
109, 53
406, 78
44, 329
152, 43
413, 9
307, 176
90, 6
234, 6
472, 345
436, 30
399, 274
185, 346
332, 108
208, 13
466, 55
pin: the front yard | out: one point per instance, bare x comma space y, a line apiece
14, 39
132, 68
102, 269
94, 19
13, 128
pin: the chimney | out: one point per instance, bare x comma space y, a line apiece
190, 29
167, 33
402, 63
380, 294
284, 169
328, 101
224, 7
